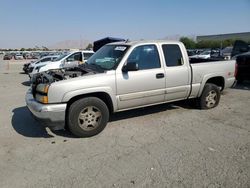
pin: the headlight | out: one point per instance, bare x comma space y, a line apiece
42, 93
42, 88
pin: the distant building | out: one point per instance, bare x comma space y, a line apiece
234, 36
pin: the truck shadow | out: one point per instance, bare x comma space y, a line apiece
245, 85
26, 83
24, 124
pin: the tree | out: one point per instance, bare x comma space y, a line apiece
189, 43
45, 48
90, 46
228, 42
215, 43
208, 44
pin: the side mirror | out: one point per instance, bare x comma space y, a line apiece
130, 66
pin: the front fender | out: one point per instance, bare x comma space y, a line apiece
87, 91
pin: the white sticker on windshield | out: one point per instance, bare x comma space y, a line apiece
121, 48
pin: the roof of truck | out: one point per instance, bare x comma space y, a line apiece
145, 42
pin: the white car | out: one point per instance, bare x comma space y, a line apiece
67, 60
28, 67
18, 57
204, 55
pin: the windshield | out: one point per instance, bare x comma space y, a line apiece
60, 57
108, 57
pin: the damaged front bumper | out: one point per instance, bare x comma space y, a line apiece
50, 115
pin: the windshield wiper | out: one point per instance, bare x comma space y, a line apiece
99, 67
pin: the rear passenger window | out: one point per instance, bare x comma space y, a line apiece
145, 56
172, 54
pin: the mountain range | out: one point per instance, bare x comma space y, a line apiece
83, 43
71, 44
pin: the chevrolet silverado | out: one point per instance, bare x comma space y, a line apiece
122, 76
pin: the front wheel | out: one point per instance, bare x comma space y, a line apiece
210, 96
87, 117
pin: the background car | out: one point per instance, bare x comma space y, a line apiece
7, 57
70, 60
226, 52
204, 55
36, 55
18, 57
27, 56
28, 67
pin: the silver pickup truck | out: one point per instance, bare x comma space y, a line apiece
122, 76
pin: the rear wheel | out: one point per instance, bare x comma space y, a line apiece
210, 96
87, 117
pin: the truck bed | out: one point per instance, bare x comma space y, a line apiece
225, 69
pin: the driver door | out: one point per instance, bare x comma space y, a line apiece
146, 85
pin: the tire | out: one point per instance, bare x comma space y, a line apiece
210, 97
87, 117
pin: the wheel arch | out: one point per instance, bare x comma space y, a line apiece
215, 79
105, 97
218, 80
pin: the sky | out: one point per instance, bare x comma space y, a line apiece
29, 23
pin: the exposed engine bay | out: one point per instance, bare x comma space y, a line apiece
56, 75
60, 74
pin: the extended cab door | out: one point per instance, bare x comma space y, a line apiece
178, 72
143, 86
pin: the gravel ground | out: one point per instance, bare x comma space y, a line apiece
171, 145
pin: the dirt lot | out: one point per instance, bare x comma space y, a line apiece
170, 145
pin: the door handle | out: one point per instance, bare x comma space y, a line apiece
159, 75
